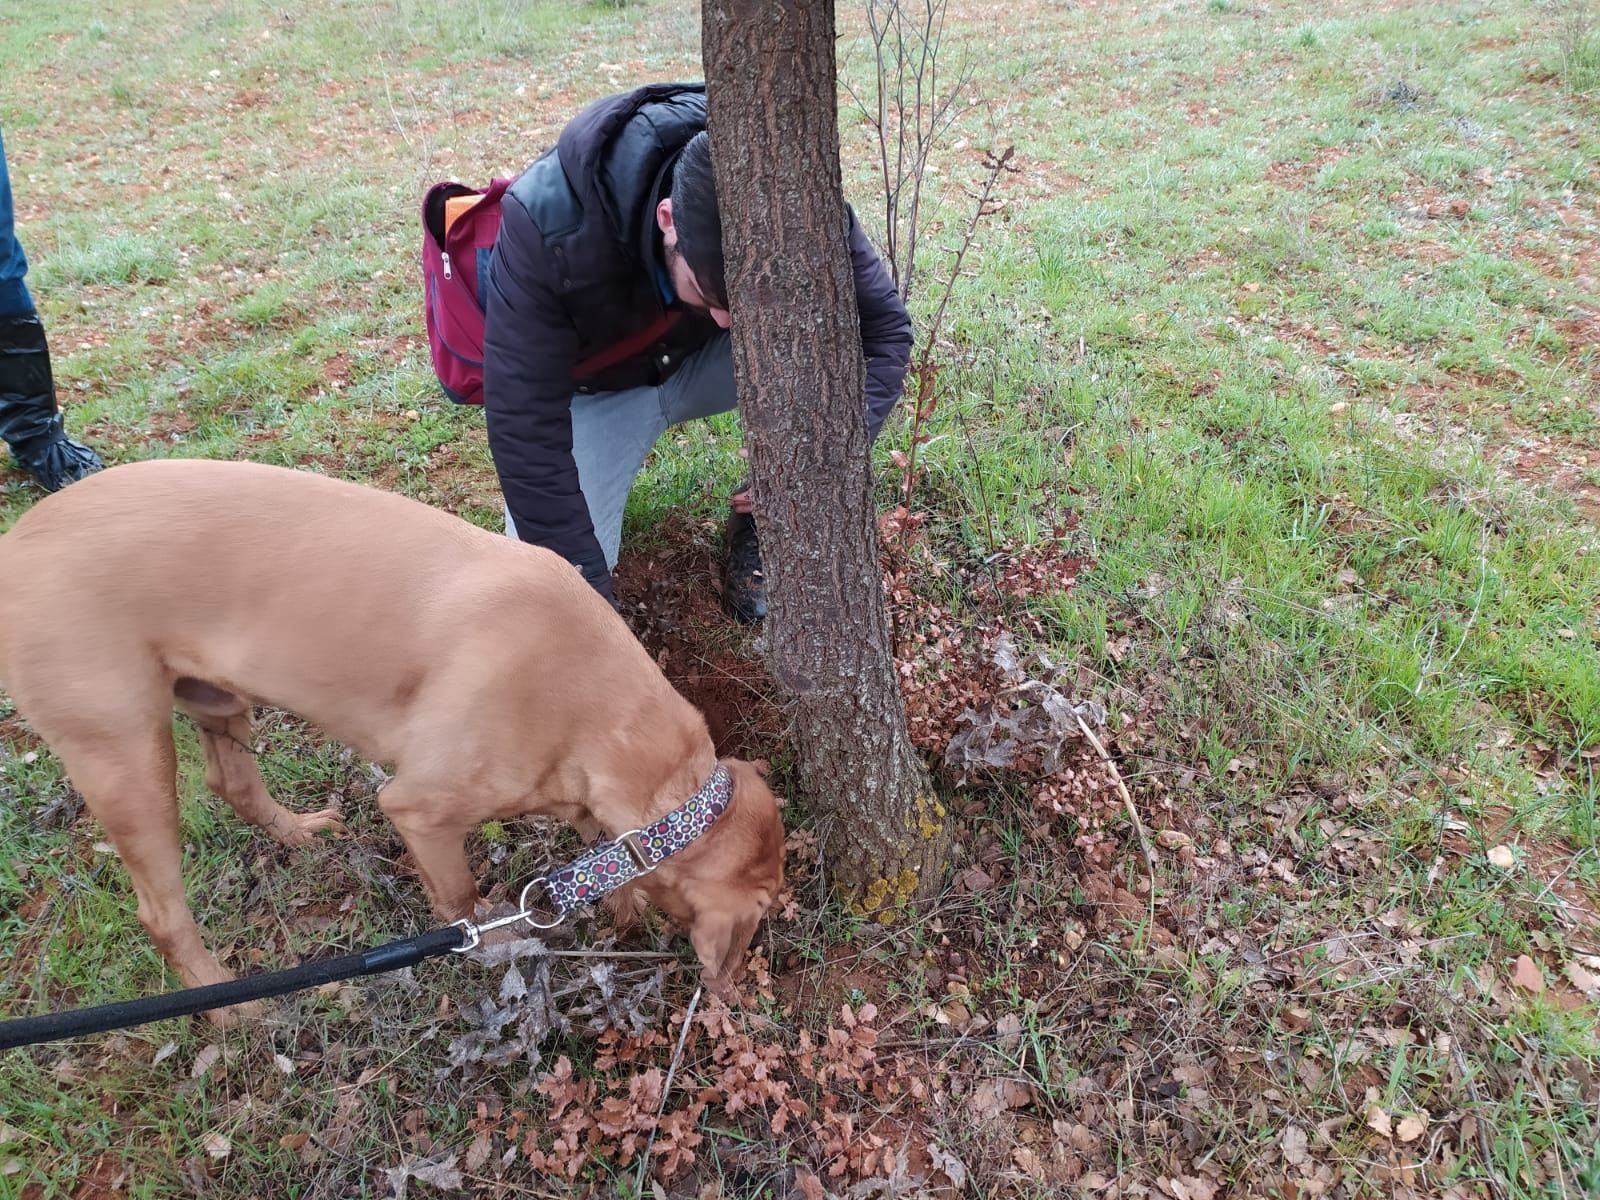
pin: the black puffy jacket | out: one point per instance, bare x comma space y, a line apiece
573, 300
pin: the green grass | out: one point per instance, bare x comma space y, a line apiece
1276, 328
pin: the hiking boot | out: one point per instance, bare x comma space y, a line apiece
30, 422
744, 588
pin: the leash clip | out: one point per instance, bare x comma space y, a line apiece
472, 932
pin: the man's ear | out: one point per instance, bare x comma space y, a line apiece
664, 215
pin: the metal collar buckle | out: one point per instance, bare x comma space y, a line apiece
639, 850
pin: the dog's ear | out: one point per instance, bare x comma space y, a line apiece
720, 940
750, 778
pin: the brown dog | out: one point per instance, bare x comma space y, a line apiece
486, 672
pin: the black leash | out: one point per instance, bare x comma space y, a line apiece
605, 867
391, 956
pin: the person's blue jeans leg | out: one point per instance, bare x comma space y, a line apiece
30, 423
612, 432
14, 298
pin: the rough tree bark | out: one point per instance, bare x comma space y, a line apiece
772, 84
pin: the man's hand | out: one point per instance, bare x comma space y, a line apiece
600, 580
741, 501
608, 591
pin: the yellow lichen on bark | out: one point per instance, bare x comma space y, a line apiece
885, 900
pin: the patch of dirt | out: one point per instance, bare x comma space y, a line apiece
1562, 465
1544, 863
15, 734
1297, 173
1542, 462
104, 1180
671, 597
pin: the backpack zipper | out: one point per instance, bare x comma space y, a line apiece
444, 256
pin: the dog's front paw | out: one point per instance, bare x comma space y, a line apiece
235, 1015
723, 988
305, 826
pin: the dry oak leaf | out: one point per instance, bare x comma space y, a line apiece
1585, 981
1027, 1161
1527, 976
1412, 1127
1293, 1144
995, 1096
205, 1060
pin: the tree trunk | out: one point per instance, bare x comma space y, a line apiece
773, 97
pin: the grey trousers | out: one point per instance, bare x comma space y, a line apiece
612, 432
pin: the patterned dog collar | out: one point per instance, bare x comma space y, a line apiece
639, 851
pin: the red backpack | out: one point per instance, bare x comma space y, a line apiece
459, 227
456, 241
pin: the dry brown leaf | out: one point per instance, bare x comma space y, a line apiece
953, 1013
1027, 1161
1411, 1128
1585, 981
1081, 1138
478, 1152
1527, 976
1189, 1187
954, 1169
1378, 1122
976, 879
1294, 1019
1294, 1144
217, 1146
995, 1096
293, 1141
205, 1060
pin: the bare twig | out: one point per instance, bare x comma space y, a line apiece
1485, 1151
909, 116
1127, 802
677, 1057
927, 370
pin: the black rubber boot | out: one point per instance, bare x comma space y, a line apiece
30, 422
744, 589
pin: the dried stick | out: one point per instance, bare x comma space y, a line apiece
927, 370
1127, 802
677, 1056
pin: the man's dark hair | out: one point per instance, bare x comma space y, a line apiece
697, 219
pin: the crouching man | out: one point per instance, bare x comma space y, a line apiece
607, 323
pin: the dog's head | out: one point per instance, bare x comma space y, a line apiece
723, 885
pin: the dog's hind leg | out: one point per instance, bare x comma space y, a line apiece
231, 772
127, 782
